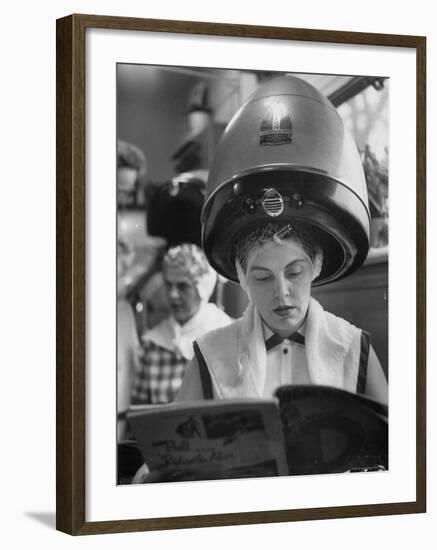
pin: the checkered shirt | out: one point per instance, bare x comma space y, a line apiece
159, 376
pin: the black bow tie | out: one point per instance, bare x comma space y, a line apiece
275, 340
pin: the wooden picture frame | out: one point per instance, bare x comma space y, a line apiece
71, 407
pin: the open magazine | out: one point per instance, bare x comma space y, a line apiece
304, 430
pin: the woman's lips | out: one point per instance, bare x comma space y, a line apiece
284, 311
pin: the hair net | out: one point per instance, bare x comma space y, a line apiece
275, 233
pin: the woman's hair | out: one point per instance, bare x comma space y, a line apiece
276, 232
187, 257
191, 260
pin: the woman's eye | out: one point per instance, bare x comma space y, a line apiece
263, 278
294, 273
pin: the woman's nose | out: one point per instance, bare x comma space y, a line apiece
281, 289
173, 292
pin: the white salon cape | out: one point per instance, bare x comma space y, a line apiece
240, 366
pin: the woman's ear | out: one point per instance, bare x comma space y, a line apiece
242, 279
317, 264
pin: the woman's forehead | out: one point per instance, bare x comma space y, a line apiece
175, 274
273, 255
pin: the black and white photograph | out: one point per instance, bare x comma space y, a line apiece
252, 273
218, 276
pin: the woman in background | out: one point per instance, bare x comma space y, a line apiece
168, 347
128, 345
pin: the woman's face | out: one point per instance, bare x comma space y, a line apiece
279, 280
183, 298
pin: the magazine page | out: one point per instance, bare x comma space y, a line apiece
211, 440
329, 430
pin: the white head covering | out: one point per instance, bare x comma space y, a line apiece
190, 260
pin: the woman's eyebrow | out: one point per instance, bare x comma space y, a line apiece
295, 261
260, 267
253, 267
